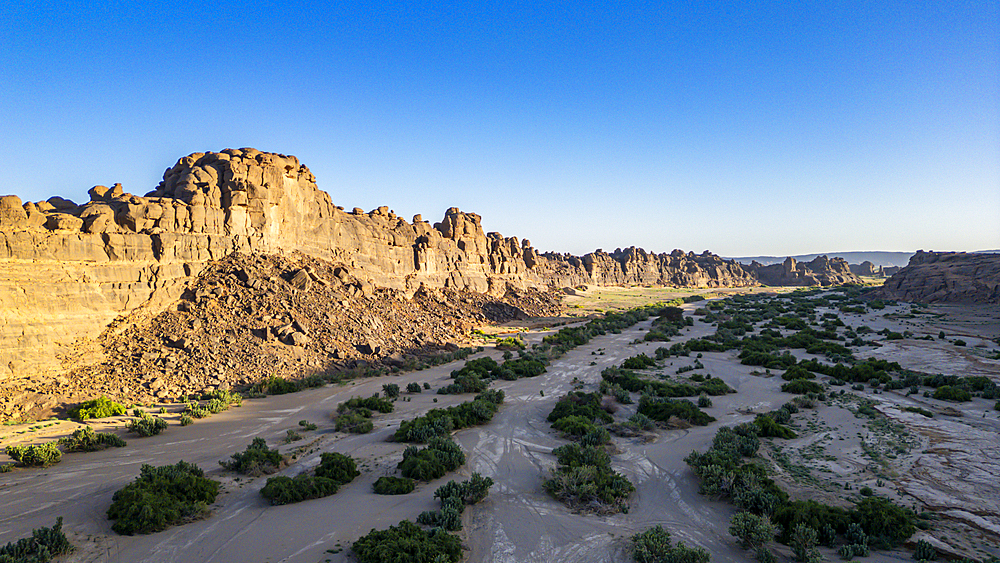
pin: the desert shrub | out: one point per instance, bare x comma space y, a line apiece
797, 372
40, 455
510, 343
101, 407
801, 387
641, 361
373, 403
256, 460
465, 384
528, 365
354, 422
663, 409
42, 546
803, 541
161, 497
583, 478
578, 403
388, 485
292, 436
885, 523
573, 425
86, 440
337, 467
954, 394
390, 390
767, 427
440, 422
146, 426
195, 410
275, 385
654, 546
186, 420
307, 426
596, 437
413, 388
924, 551
408, 543
752, 530
704, 402
439, 457
288, 490
454, 497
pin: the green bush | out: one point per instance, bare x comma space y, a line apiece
146, 426
752, 530
101, 407
41, 547
454, 497
307, 426
574, 425
954, 394
373, 403
256, 460
641, 361
390, 390
387, 485
583, 478
337, 467
413, 388
41, 455
924, 551
767, 427
86, 440
578, 403
801, 387
288, 490
663, 409
354, 422
439, 457
275, 385
654, 546
440, 422
161, 497
407, 543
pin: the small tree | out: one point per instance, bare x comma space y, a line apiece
391, 390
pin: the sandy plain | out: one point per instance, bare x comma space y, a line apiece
946, 464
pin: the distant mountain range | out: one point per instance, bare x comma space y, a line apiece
878, 258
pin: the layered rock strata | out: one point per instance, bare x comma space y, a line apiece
946, 277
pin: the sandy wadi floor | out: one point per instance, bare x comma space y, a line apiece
944, 464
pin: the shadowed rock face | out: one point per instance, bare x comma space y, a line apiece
947, 277
819, 271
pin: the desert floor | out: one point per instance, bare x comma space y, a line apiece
944, 464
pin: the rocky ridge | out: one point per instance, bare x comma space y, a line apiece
248, 317
946, 277
821, 271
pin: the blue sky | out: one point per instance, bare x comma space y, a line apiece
743, 128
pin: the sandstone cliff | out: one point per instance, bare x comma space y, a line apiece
946, 277
67, 270
821, 271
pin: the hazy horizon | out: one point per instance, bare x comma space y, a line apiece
743, 130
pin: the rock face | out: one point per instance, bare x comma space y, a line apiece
68, 270
866, 269
947, 277
819, 271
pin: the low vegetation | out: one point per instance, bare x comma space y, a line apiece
146, 425
86, 440
101, 407
439, 457
161, 497
408, 543
38, 455
454, 498
441, 422
334, 470
583, 479
388, 485
256, 460
654, 546
41, 547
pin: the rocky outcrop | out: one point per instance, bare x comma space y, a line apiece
866, 269
635, 266
820, 271
946, 277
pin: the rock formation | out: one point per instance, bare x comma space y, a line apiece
819, 271
946, 277
866, 269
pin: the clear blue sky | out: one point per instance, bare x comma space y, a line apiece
743, 128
